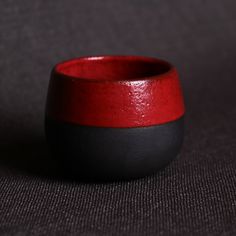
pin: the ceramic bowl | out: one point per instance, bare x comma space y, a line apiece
114, 117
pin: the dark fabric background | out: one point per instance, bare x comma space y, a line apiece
196, 194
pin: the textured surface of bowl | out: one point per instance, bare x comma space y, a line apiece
114, 117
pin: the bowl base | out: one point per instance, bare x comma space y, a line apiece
96, 153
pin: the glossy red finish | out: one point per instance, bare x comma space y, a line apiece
115, 91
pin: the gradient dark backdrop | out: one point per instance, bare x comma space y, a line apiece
196, 194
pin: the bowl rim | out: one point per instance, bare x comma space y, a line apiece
170, 71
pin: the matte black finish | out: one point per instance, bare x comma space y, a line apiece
114, 153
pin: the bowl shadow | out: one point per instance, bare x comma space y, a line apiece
30, 156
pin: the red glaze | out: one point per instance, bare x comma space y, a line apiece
115, 91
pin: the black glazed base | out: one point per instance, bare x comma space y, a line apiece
94, 153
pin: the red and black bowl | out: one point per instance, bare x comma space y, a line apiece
114, 117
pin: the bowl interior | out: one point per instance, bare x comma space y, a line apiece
113, 67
